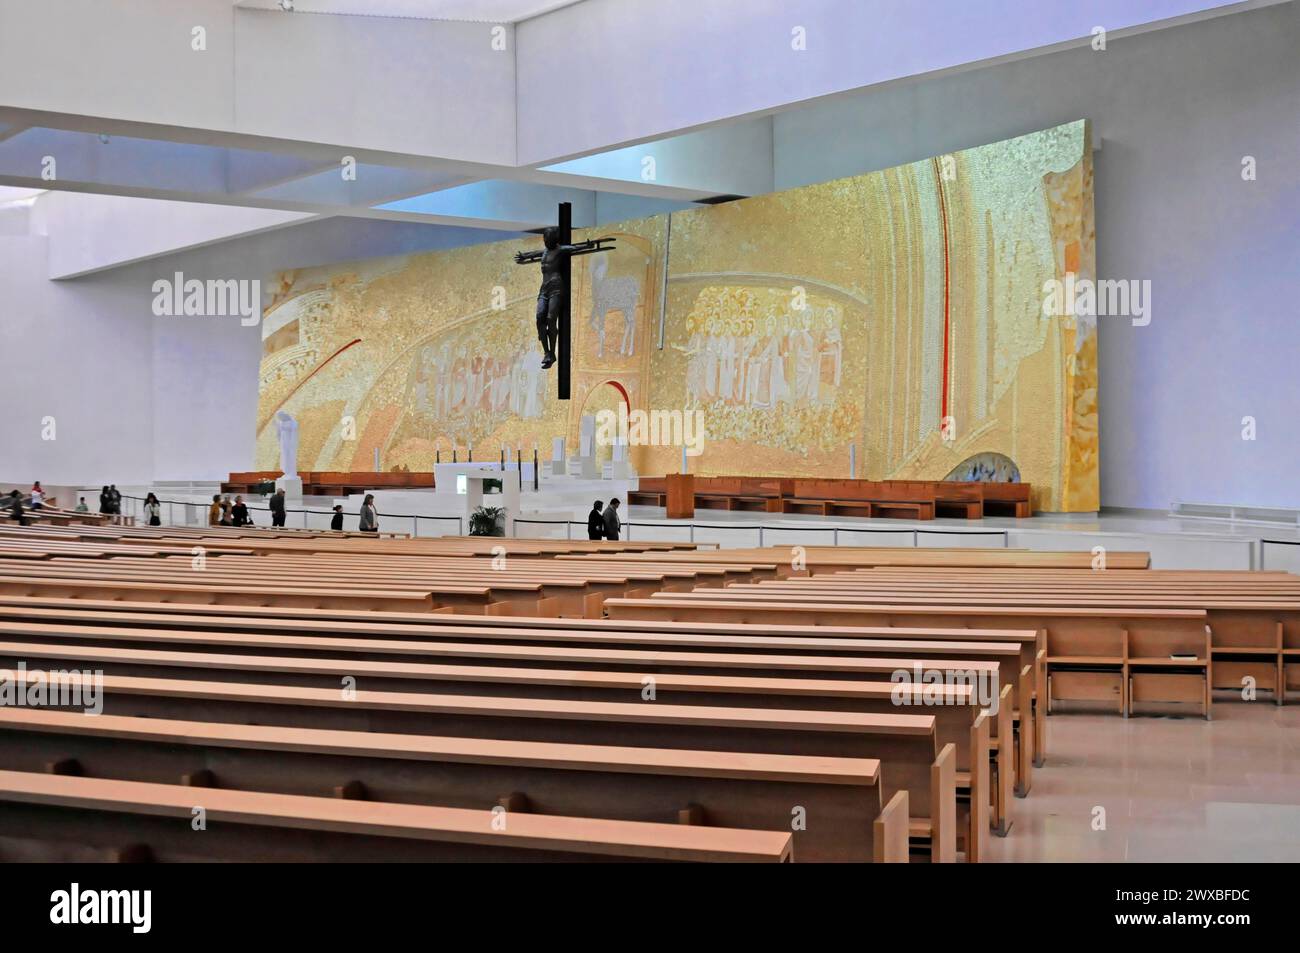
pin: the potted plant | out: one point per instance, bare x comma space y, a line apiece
487, 521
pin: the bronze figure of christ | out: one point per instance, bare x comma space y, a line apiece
553, 296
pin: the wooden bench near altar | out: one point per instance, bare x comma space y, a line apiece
909, 499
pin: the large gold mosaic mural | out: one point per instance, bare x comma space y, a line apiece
899, 311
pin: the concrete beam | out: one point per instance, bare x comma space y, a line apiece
687, 65
517, 205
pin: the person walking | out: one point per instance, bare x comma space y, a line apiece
336, 521
595, 522
612, 523
369, 522
152, 510
239, 513
277, 508
214, 511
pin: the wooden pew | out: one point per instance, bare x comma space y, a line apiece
1063, 626
534, 586
1027, 675
719, 789
708, 682
857, 498
654, 646
1249, 616
815, 560
392, 600
955, 706
49, 817
905, 743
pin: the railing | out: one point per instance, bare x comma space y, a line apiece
196, 514
763, 530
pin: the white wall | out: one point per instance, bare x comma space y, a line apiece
81, 354
420, 86
138, 397
87, 234
652, 67
1177, 111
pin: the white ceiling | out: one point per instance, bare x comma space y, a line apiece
483, 11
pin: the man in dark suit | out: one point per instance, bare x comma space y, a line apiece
595, 522
612, 522
277, 508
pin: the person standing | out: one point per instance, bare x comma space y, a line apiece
115, 499
105, 502
16, 508
277, 508
82, 507
152, 510
225, 511
336, 521
369, 522
595, 522
38, 496
239, 513
214, 511
612, 522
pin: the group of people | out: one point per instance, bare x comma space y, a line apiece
14, 502
603, 525
368, 518
110, 501
225, 512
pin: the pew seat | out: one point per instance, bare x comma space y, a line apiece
122, 817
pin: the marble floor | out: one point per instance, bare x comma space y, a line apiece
1172, 789
1132, 522
1173, 542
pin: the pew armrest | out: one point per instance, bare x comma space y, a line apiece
891, 832
943, 806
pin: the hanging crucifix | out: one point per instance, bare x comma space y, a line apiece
553, 297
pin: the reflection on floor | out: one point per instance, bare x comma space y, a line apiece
1171, 789
1174, 543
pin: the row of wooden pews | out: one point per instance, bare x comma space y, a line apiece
1120, 639
791, 560
801, 740
251, 568
860, 705
542, 704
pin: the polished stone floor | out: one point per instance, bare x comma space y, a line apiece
1173, 542
1173, 789
1135, 522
